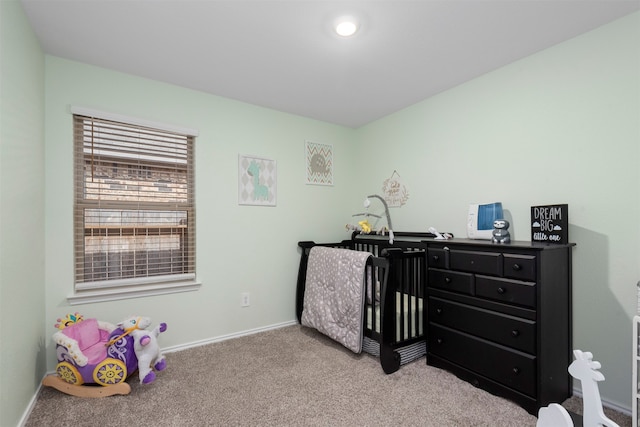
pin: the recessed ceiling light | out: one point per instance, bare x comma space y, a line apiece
346, 26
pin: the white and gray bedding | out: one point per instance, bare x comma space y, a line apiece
335, 294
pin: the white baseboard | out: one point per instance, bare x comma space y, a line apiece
607, 404
30, 406
193, 344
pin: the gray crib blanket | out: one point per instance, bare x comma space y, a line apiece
334, 294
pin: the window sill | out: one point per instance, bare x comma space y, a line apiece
104, 295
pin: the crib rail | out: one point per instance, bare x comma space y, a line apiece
376, 244
405, 288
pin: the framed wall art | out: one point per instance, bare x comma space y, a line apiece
550, 223
257, 181
318, 163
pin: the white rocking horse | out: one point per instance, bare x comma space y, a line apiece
585, 370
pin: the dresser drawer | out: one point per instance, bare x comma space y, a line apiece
451, 281
505, 290
512, 368
476, 262
521, 267
501, 328
436, 258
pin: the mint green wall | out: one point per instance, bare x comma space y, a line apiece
239, 248
22, 340
560, 126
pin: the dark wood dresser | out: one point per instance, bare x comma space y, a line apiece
499, 317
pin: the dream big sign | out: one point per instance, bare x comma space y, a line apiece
550, 224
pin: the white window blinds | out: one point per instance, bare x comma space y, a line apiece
134, 204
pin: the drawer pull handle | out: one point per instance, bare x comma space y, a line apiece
515, 333
517, 267
447, 279
516, 370
438, 311
501, 290
436, 258
439, 340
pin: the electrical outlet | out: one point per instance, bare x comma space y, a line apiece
244, 300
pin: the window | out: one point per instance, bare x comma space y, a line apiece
134, 206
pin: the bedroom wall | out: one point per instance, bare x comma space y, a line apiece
568, 115
560, 126
22, 321
239, 248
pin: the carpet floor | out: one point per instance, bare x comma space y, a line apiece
291, 376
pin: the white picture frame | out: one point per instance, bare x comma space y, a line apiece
318, 163
257, 181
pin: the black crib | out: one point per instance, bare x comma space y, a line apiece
394, 320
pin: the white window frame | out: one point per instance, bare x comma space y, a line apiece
118, 289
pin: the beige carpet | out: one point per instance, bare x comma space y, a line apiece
288, 377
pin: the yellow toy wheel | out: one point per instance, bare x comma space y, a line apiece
68, 373
110, 371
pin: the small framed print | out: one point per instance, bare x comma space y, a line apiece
257, 181
550, 223
318, 163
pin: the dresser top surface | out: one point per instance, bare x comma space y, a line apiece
519, 244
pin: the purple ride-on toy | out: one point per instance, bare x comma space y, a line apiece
92, 352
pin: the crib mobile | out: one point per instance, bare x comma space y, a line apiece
96, 357
365, 227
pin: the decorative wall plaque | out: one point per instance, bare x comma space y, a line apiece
394, 191
550, 223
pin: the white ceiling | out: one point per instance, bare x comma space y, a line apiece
283, 55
